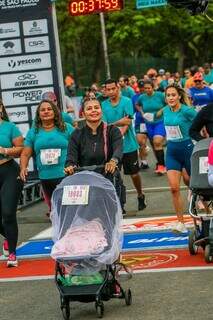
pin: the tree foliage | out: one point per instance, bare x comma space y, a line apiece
157, 32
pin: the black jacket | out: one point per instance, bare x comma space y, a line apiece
203, 118
86, 149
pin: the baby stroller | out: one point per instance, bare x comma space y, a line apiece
202, 235
86, 217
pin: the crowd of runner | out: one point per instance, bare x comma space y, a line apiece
124, 119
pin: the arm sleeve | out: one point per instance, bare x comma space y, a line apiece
30, 138
15, 132
117, 143
197, 125
73, 149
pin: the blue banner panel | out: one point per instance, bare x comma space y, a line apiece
133, 241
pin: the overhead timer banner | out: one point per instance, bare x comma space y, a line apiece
28, 65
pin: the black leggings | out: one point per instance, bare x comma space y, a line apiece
48, 187
10, 191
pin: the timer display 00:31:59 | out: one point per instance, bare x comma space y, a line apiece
83, 7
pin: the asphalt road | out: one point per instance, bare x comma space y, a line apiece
156, 296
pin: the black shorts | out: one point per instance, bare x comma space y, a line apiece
130, 163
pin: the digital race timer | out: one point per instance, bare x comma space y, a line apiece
83, 7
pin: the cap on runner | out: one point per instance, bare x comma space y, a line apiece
161, 72
198, 76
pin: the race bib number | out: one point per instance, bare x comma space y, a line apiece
50, 156
143, 128
173, 132
149, 116
75, 195
203, 165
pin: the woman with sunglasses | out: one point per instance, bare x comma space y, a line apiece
10, 184
48, 140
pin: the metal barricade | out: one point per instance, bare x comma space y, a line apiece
31, 194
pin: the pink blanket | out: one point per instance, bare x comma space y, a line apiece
88, 239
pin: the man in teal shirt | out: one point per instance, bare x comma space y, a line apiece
126, 90
118, 110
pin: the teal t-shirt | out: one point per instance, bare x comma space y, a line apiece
8, 132
152, 104
208, 78
112, 114
127, 92
50, 148
177, 124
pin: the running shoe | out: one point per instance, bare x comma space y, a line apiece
179, 227
12, 261
144, 166
160, 169
141, 203
5, 248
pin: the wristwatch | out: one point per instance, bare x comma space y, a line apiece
115, 160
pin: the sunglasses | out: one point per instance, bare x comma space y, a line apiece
197, 81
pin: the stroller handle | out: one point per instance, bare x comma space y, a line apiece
89, 168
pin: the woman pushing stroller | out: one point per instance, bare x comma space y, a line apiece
95, 144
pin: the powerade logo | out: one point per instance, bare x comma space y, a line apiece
28, 96
24, 62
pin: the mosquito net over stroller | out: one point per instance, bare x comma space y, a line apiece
199, 169
86, 218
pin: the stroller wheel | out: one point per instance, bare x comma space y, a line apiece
193, 249
99, 306
208, 256
128, 297
65, 308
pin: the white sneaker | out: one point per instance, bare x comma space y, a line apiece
179, 227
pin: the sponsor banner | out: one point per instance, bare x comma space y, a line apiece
28, 62
35, 27
20, 97
23, 127
36, 44
10, 47
15, 4
26, 79
18, 114
9, 30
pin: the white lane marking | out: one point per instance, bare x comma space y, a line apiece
37, 278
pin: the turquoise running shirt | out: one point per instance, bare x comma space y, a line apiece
50, 149
113, 113
8, 132
152, 104
178, 123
